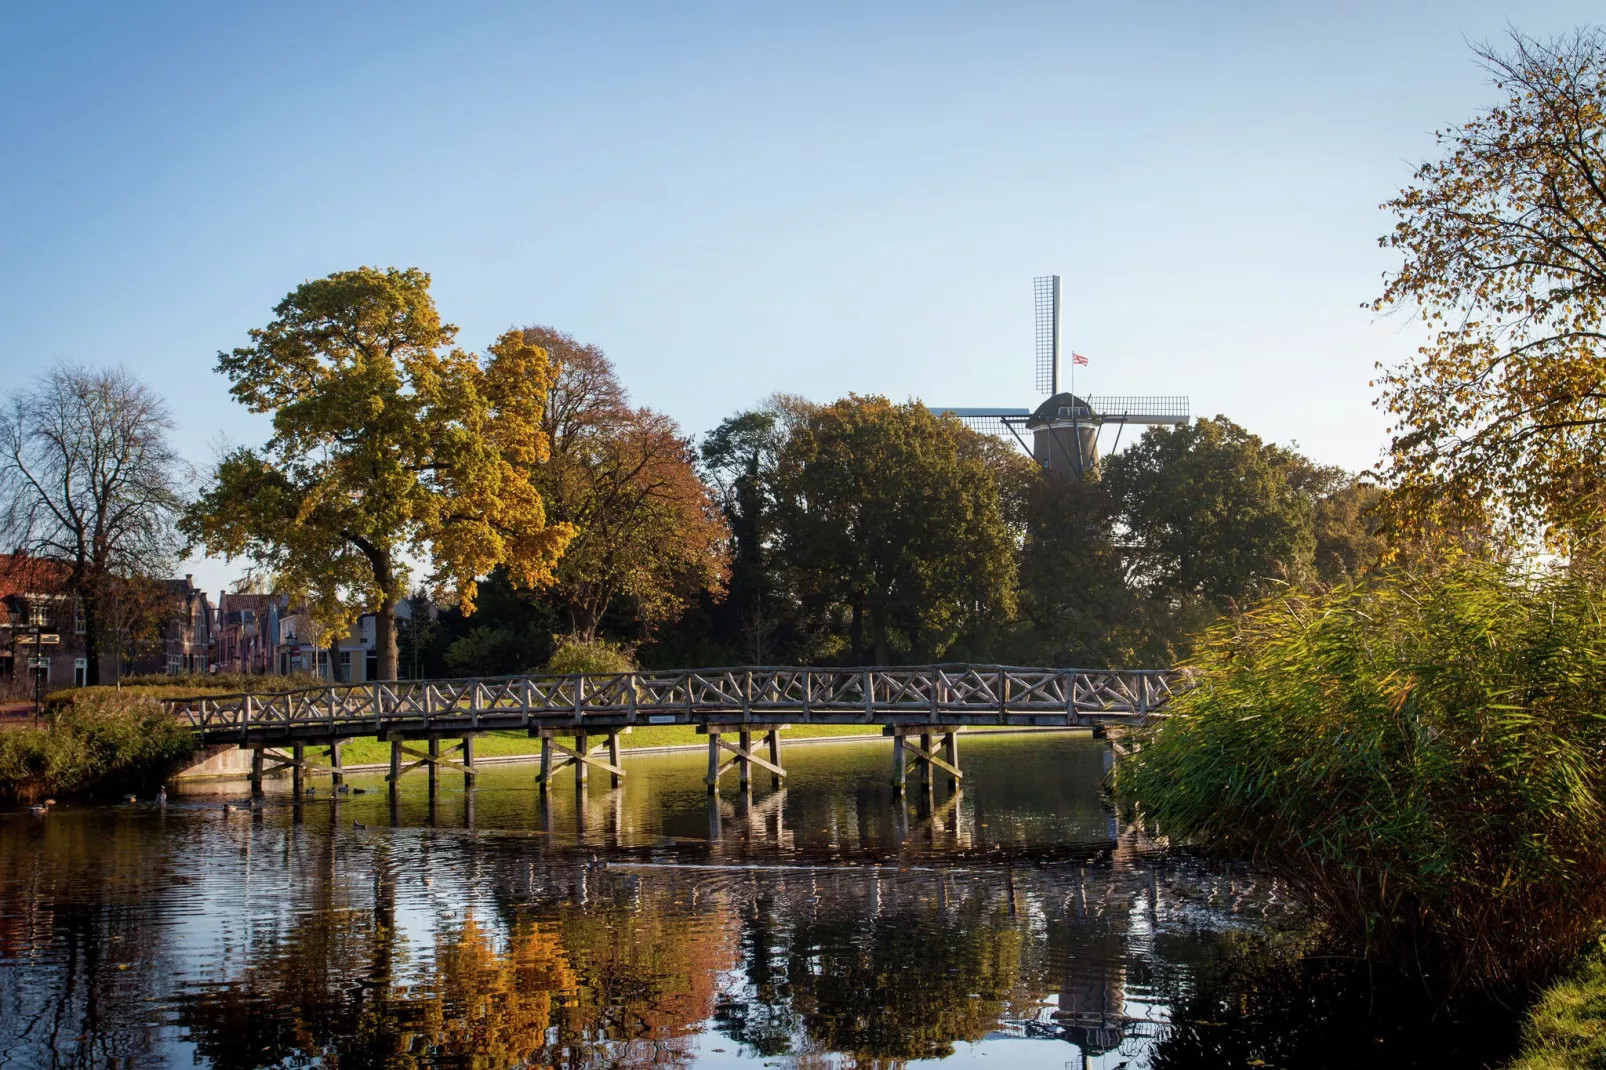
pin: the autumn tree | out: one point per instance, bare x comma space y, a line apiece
89, 482
389, 445
1503, 242
646, 531
891, 514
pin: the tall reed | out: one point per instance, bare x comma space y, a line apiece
102, 742
1421, 756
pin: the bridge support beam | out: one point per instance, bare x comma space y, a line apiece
583, 755
296, 761
912, 747
433, 757
745, 755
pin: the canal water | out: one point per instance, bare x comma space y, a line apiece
1017, 924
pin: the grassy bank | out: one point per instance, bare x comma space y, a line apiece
507, 744
1419, 758
101, 743
1566, 1027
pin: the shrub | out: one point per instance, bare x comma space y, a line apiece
183, 685
99, 742
1419, 756
575, 656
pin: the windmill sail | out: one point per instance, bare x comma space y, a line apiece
1046, 307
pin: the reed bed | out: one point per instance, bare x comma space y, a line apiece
98, 743
1420, 756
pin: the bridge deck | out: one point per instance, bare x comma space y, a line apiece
953, 695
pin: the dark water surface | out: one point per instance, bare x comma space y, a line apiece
824, 925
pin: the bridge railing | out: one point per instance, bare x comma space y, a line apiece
700, 694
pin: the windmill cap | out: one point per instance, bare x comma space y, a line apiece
1062, 406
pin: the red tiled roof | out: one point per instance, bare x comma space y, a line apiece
25, 574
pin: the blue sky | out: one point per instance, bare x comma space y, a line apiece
739, 199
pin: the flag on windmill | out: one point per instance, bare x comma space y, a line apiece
1077, 358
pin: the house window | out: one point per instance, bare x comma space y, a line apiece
78, 625
80, 672
345, 666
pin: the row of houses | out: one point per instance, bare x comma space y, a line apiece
185, 631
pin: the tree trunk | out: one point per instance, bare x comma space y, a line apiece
385, 638
90, 607
878, 632
583, 622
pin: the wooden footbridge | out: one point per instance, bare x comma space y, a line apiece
922, 708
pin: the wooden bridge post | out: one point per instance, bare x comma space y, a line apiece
713, 761
470, 774
582, 770
546, 764
394, 779
298, 754
613, 758
743, 768
775, 756
434, 766
899, 773
924, 763
256, 770
950, 752
336, 771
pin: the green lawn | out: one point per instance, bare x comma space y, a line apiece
369, 750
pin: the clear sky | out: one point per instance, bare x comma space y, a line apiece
739, 199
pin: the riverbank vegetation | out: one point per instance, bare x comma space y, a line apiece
100, 742
1566, 1028
1417, 755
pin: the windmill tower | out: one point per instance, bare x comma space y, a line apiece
1062, 432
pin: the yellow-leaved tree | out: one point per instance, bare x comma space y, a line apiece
389, 445
1504, 246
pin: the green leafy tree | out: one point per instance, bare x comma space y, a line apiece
1074, 595
1347, 518
739, 459
892, 514
1210, 515
1504, 259
388, 444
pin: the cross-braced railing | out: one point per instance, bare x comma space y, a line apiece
934, 694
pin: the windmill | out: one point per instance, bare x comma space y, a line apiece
1064, 429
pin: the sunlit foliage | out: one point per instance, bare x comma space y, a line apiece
1504, 259
1419, 755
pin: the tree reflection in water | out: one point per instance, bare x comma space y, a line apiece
597, 988
255, 940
